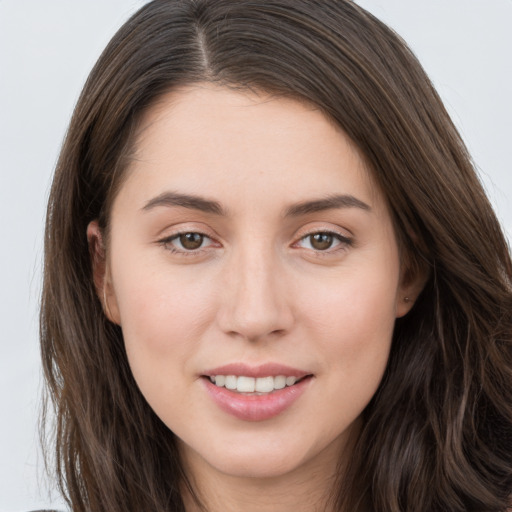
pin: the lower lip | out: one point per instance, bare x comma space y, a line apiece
256, 407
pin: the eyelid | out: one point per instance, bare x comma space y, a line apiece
345, 240
167, 240
325, 229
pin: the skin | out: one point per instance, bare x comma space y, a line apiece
257, 290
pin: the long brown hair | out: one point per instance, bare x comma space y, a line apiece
437, 435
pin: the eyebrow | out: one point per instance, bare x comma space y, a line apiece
192, 202
328, 203
170, 199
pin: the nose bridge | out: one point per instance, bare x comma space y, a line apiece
255, 304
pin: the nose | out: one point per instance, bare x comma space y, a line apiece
256, 304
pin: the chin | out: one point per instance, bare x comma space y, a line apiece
258, 466
270, 458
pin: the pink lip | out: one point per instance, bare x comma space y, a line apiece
256, 407
263, 370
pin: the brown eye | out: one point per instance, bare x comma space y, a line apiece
321, 241
188, 243
324, 241
191, 241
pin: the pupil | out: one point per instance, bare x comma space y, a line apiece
191, 240
321, 241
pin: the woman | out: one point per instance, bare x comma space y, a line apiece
272, 279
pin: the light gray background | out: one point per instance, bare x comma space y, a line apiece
46, 50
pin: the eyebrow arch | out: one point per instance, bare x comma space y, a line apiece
170, 199
330, 202
192, 202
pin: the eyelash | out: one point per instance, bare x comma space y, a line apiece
166, 243
344, 242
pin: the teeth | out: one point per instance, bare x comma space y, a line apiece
243, 384
265, 384
279, 382
230, 382
290, 381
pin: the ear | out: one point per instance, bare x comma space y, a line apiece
412, 281
101, 272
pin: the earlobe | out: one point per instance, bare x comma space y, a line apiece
101, 272
404, 304
411, 286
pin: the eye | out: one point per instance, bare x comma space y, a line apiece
323, 241
187, 242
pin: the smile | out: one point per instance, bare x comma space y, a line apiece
244, 384
258, 393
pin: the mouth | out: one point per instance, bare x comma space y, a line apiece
256, 393
255, 386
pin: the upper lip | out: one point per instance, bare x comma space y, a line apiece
262, 370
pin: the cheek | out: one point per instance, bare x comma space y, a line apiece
160, 309
352, 304
352, 328
162, 327
163, 318
353, 324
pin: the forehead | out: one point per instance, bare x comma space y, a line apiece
208, 139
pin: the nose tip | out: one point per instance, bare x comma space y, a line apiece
255, 303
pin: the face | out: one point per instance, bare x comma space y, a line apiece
253, 267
